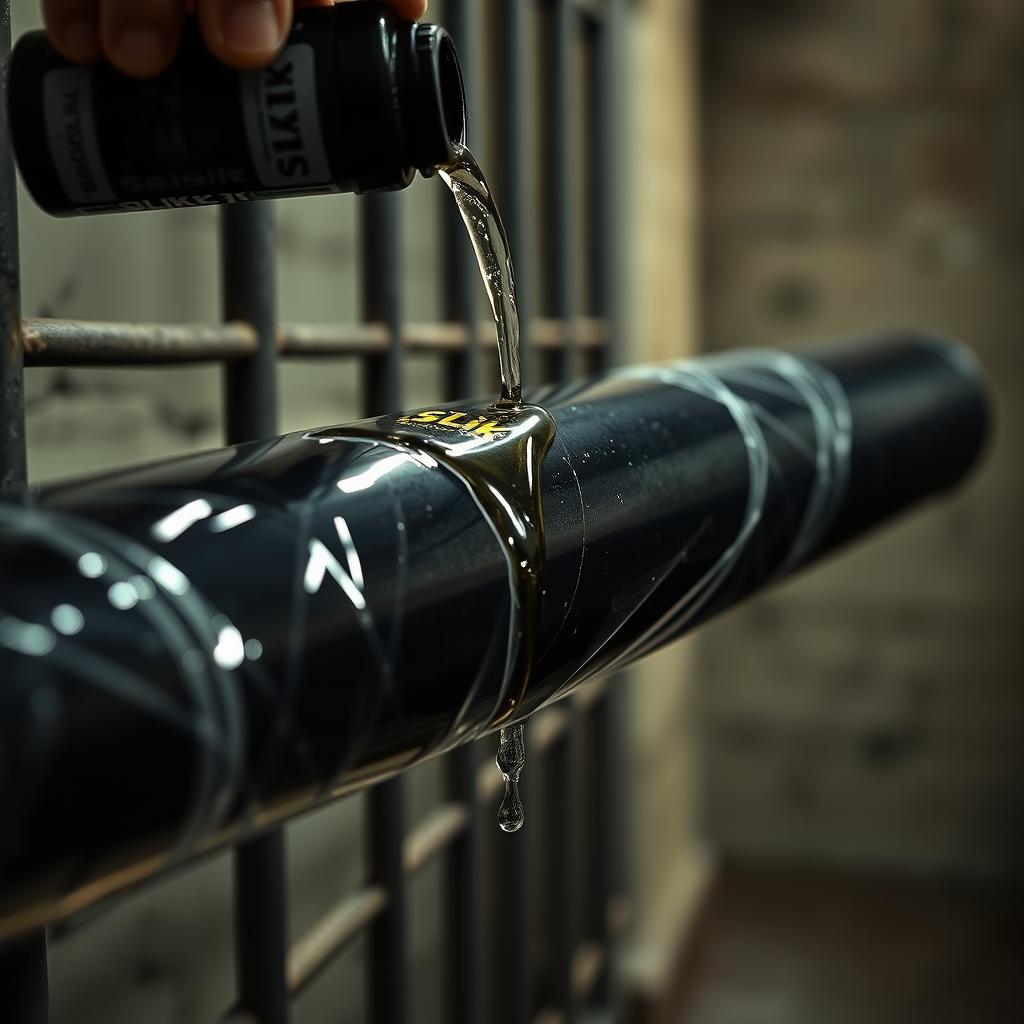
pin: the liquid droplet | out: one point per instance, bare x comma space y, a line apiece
511, 760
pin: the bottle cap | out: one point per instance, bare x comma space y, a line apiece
435, 115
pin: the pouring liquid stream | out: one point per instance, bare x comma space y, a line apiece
497, 453
490, 243
480, 215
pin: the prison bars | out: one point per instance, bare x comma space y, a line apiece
67, 343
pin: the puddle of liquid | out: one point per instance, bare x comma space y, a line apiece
497, 452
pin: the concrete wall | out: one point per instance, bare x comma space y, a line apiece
862, 165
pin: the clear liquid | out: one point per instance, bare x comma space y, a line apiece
483, 222
511, 761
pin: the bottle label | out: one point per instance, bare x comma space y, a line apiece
282, 121
71, 133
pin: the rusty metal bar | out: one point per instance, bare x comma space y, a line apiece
100, 343
92, 343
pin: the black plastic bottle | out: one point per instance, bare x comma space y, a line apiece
358, 100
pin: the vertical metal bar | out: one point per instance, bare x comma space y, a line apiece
461, 277
12, 398
564, 858
560, 186
381, 242
514, 990
23, 980
606, 753
24, 993
606, 92
388, 966
561, 244
515, 150
382, 299
250, 294
465, 953
260, 916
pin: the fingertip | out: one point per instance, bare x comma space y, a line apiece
245, 34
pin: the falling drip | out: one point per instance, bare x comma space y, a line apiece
511, 760
476, 204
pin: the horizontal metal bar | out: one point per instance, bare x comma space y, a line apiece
329, 936
343, 922
432, 835
587, 963
94, 343
135, 599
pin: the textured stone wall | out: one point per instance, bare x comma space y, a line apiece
863, 167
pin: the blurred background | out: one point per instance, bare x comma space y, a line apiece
824, 788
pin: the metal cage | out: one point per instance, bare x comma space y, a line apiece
568, 327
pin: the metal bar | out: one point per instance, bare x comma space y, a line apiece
605, 728
560, 186
331, 934
563, 855
12, 397
90, 343
514, 984
250, 297
516, 149
261, 927
382, 299
562, 776
24, 991
788, 456
327, 938
465, 958
387, 960
23, 980
96, 343
433, 835
461, 285
381, 240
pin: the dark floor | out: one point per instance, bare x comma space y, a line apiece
786, 948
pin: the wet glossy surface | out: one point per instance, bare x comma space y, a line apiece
217, 641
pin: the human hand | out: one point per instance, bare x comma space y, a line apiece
140, 37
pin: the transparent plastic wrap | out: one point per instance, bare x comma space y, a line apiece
204, 646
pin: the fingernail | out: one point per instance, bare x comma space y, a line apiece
81, 38
251, 26
140, 47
